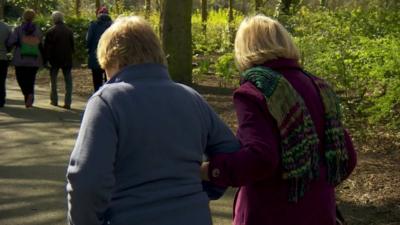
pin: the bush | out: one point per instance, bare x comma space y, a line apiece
217, 38
226, 70
358, 52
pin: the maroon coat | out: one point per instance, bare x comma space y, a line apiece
263, 196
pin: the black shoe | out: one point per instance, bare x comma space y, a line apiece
29, 101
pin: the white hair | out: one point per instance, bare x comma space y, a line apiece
57, 16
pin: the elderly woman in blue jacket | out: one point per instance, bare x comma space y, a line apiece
142, 139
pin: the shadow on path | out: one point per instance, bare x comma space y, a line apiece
35, 145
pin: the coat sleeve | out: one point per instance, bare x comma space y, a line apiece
89, 36
48, 45
90, 171
258, 157
13, 38
8, 35
220, 138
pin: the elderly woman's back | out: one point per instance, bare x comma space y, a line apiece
295, 149
137, 158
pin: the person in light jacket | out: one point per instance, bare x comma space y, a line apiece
139, 150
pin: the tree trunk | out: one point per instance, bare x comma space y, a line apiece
148, 9
36, 6
244, 7
230, 13
258, 4
286, 6
283, 6
160, 24
204, 15
97, 5
177, 38
2, 4
231, 26
119, 5
158, 6
116, 6
323, 3
78, 7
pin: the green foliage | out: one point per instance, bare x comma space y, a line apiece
356, 49
358, 52
41, 6
225, 69
79, 26
216, 39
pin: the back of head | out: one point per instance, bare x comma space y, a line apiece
57, 17
259, 39
28, 15
129, 41
28, 27
102, 10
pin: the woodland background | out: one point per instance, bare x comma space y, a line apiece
354, 44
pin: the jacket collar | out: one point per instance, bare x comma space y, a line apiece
282, 63
145, 71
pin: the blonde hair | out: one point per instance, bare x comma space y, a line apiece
129, 41
28, 15
259, 39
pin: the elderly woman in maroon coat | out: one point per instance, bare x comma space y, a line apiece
295, 150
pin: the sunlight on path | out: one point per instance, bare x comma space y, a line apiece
35, 145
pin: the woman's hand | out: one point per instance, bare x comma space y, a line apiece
204, 171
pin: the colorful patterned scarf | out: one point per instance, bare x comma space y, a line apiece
299, 139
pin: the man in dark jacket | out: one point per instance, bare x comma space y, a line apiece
59, 47
96, 29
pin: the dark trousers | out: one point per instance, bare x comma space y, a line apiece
99, 76
3, 76
68, 85
26, 77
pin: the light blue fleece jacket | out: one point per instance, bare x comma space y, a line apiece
139, 150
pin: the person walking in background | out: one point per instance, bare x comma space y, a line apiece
59, 47
141, 143
5, 32
295, 150
27, 55
96, 29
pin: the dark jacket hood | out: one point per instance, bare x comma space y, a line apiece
103, 18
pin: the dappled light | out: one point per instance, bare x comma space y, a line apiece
353, 45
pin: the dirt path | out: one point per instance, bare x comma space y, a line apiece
35, 145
